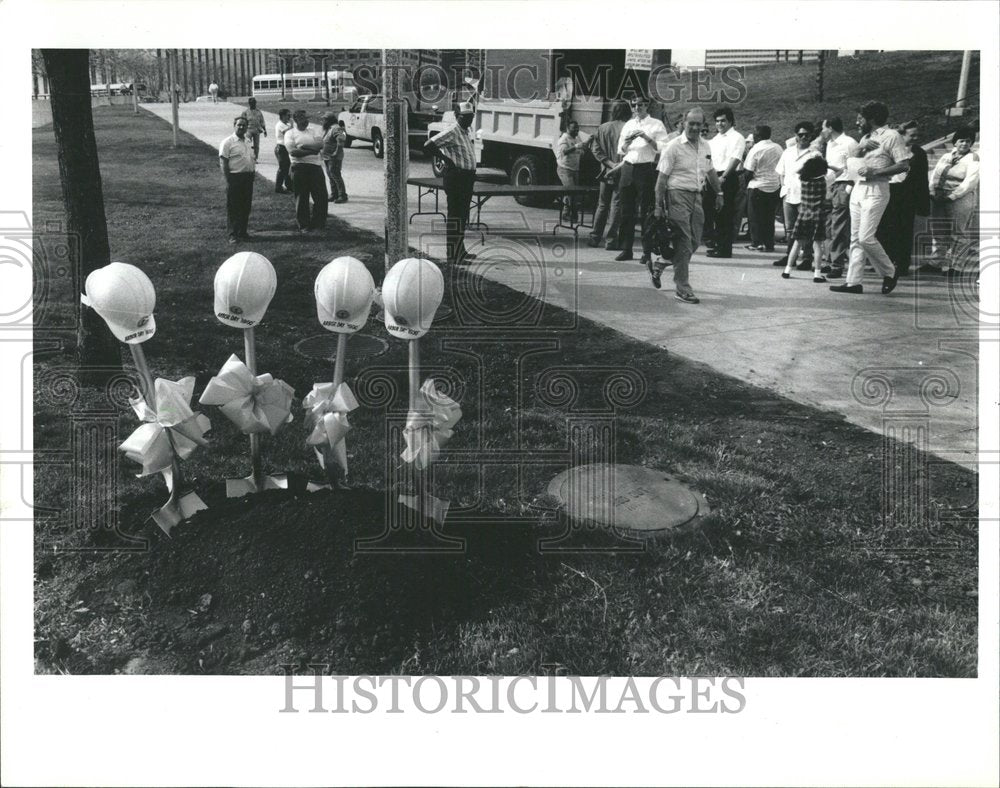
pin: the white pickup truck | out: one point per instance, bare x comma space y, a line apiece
365, 120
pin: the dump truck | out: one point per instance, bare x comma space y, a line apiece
519, 119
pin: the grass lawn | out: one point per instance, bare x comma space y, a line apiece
798, 571
912, 84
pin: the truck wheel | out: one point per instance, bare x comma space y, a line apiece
378, 145
348, 140
438, 165
529, 170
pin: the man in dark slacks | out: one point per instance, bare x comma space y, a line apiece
238, 164
457, 147
908, 198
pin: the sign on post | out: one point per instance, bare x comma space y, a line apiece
639, 59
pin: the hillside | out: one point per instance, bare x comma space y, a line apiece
913, 84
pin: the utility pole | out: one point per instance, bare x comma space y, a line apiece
820, 65
963, 84
396, 159
172, 66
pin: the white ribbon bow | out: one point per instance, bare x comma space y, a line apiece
326, 420
253, 403
429, 428
173, 429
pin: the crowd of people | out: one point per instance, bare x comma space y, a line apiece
307, 156
844, 202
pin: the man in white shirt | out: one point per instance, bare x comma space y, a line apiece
684, 169
304, 145
238, 165
763, 189
885, 154
728, 146
839, 148
638, 144
789, 164
283, 181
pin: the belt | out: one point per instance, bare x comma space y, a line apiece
639, 164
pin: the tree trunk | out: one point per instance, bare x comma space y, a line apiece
80, 176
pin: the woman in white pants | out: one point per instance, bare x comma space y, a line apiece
954, 198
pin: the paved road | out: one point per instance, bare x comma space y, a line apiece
905, 364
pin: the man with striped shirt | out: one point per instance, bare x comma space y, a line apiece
457, 147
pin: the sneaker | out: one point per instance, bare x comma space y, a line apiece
845, 288
687, 298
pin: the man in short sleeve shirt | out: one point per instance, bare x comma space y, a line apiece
238, 164
456, 146
839, 148
685, 165
304, 144
728, 147
885, 154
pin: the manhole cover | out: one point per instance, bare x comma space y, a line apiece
627, 496
324, 346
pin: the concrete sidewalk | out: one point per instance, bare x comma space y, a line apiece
904, 364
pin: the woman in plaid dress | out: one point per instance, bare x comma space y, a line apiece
810, 226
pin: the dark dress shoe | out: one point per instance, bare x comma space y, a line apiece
717, 253
623, 256
845, 288
785, 276
593, 242
805, 265
613, 247
835, 273
780, 263
654, 275
888, 284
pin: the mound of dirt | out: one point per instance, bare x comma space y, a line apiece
345, 577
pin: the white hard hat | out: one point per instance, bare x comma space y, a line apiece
466, 108
124, 297
411, 294
244, 286
344, 293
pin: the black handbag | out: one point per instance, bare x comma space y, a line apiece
659, 237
